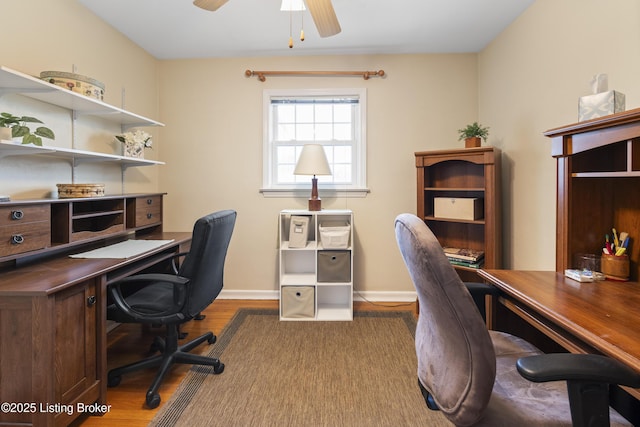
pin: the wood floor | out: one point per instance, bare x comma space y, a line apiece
128, 343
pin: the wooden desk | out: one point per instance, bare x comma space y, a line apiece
597, 317
53, 333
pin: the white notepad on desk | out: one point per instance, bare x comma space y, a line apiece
125, 249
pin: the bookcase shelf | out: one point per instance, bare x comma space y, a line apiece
472, 173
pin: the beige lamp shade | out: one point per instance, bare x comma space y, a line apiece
312, 161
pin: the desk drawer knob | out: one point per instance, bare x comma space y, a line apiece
16, 215
149, 215
149, 201
16, 239
91, 300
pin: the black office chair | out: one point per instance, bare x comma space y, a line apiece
172, 300
475, 376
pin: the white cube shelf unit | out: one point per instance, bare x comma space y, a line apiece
316, 273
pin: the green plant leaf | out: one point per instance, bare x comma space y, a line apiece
28, 119
45, 132
18, 131
32, 139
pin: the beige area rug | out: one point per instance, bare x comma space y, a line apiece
359, 373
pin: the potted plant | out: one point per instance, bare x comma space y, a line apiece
473, 134
19, 128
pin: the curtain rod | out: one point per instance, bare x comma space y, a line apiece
365, 74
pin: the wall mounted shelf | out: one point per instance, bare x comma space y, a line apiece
8, 148
12, 81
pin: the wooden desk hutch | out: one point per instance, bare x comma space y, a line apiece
598, 186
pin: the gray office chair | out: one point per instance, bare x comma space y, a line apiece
475, 376
171, 300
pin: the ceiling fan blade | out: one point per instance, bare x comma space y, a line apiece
324, 17
211, 5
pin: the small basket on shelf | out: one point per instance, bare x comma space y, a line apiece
69, 191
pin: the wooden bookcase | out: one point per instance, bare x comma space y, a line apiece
598, 186
463, 173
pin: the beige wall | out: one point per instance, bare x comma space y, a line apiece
214, 124
526, 81
530, 79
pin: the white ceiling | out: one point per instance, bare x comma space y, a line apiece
172, 29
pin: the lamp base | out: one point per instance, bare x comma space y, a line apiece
315, 204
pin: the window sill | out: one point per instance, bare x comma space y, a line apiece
352, 192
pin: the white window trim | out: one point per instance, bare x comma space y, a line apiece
302, 190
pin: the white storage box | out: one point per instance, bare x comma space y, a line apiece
465, 208
335, 235
298, 302
298, 231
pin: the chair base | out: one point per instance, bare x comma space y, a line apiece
171, 354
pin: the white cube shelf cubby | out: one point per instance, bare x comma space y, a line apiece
316, 274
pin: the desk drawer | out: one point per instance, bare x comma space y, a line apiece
24, 237
148, 210
20, 214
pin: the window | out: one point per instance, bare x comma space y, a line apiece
333, 118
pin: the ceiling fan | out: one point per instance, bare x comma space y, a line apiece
321, 11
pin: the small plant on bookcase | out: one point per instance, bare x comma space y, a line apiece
473, 134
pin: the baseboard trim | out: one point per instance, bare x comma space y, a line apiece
376, 296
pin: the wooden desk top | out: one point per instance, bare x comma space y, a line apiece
605, 315
57, 273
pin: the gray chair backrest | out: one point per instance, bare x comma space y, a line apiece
456, 360
204, 264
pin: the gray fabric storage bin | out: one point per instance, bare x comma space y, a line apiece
334, 266
298, 302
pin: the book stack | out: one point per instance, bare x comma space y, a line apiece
465, 257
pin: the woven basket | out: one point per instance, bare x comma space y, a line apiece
68, 191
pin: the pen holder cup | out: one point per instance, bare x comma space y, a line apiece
615, 267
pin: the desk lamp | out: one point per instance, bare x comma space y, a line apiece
313, 161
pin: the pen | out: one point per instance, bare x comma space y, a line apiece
625, 244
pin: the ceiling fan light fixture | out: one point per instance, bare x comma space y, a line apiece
292, 5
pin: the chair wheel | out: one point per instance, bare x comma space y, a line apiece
219, 368
113, 380
212, 340
153, 400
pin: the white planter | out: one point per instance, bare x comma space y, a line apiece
136, 151
5, 134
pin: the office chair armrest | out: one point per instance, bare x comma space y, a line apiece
577, 367
478, 292
481, 289
179, 283
174, 266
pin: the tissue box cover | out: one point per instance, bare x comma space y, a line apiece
600, 104
465, 208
